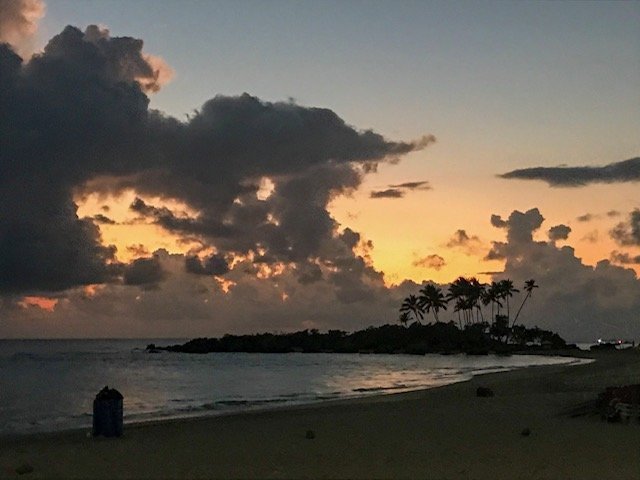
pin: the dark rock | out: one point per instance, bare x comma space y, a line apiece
484, 392
310, 435
525, 432
25, 468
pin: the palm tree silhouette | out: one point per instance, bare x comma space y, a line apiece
413, 305
404, 318
492, 296
506, 291
432, 298
476, 290
467, 293
529, 285
458, 307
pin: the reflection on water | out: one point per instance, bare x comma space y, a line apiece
50, 384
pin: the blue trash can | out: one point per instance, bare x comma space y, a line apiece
107, 413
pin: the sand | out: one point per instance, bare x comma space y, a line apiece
440, 433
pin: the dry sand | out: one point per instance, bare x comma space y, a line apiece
440, 433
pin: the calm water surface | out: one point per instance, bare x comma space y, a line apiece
48, 385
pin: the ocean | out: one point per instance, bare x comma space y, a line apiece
49, 385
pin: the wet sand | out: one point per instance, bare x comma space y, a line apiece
441, 433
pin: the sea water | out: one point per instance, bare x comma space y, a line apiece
48, 385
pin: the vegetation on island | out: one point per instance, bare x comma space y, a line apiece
469, 296
471, 334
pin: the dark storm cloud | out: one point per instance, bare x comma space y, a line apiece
625, 171
350, 238
211, 265
71, 116
80, 123
587, 217
399, 190
628, 233
144, 272
168, 220
308, 273
355, 280
559, 232
46, 247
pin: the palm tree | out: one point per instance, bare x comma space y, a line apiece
467, 293
432, 298
458, 291
404, 318
476, 290
413, 305
492, 296
506, 291
458, 307
529, 285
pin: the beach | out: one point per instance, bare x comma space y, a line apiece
445, 432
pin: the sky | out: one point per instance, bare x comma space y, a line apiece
194, 168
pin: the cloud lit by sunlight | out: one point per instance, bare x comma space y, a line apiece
43, 303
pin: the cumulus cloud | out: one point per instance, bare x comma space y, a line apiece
559, 232
587, 217
469, 244
579, 301
497, 221
520, 226
81, 124
628, 233
434, 261
126, 61
625, 171
144, 272
19, 23
212, 265
197, 305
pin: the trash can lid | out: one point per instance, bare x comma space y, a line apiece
109, 394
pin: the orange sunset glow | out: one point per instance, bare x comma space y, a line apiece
244, 201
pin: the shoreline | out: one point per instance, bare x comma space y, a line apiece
205, 413
441, 432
